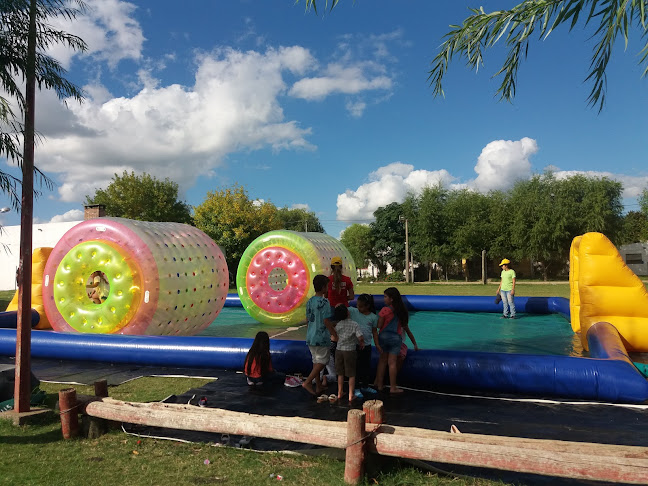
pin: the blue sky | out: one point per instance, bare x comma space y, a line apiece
333, 113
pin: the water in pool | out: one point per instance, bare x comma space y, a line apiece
530, 334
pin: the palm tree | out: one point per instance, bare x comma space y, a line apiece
25, 33
14, 65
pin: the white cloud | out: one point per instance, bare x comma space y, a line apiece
71, 215
356, 108
388, 184
340, 79
362, 65
180, 132
305, 207
109, 30
502, 162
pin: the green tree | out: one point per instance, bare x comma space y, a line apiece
546, 214
142, 197
388, 238
233, 221
297, 219
357, 239
429, 241
16, 66
538, 18
643, 201
635, 228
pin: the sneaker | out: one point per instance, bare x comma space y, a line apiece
292, 382
358, 394
369, 391
513, 317
504, 317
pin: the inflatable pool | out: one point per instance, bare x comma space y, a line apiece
607, 375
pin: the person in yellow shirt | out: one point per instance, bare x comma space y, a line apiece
506, 289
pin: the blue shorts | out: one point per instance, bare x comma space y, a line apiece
390, 342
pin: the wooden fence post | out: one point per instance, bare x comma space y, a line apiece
68, 409
374, 411
355, 449
101, 388
95, 427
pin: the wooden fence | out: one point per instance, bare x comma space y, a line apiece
364, 431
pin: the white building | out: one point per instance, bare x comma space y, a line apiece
44, 235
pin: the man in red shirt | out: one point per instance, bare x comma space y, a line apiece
340, 287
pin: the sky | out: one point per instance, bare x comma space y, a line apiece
332, 113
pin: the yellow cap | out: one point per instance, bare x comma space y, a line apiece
506, 261
336, 260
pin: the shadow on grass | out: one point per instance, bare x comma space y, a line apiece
49, 437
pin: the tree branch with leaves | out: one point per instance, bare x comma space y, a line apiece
538, 18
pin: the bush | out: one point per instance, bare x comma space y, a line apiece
394, 277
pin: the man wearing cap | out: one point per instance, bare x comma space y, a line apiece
507, 288
340, 287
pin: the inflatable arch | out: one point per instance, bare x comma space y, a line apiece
274, 277
160, 278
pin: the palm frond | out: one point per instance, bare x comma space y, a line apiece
483, 30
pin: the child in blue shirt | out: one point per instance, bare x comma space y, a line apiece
319, 332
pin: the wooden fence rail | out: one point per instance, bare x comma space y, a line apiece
599, 462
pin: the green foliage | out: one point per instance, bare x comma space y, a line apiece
394, 277
233, 221
297, 219
429, 228
312, 4
50, 74
357, 239
635, 228
142, 197
547, 213
643, 201
388, 237
538, 18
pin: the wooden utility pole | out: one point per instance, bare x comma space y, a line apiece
22, 388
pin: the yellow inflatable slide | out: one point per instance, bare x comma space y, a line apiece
603, 288
39, 259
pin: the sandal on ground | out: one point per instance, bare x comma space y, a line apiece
245, 441
322, 398
332, 398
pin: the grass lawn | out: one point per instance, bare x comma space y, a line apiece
5, 298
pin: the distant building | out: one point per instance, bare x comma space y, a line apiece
44, 235
635, 255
